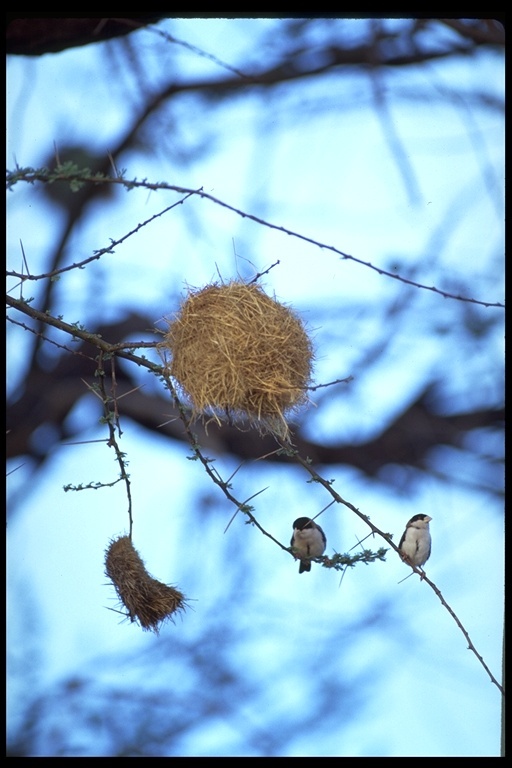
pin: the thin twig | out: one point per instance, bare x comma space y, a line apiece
120, 350
31, 175
102, 251
111, 418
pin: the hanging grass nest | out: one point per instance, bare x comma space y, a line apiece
238, 352
148, 601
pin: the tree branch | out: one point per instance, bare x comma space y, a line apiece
30, 175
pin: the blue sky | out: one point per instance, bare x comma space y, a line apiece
317, 161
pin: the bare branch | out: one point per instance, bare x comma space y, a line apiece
30, 175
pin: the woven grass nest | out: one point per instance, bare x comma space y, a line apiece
238, 352
147, 601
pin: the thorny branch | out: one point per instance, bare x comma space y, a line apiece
327, 484
110, 351
75, 331
97, 254
338, 562
31, 175
111, 419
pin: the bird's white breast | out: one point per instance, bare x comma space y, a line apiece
417, 544
309, 542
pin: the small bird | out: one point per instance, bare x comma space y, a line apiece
308, 540
416, 542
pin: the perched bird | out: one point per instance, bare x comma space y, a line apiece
308, 540
415, 543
